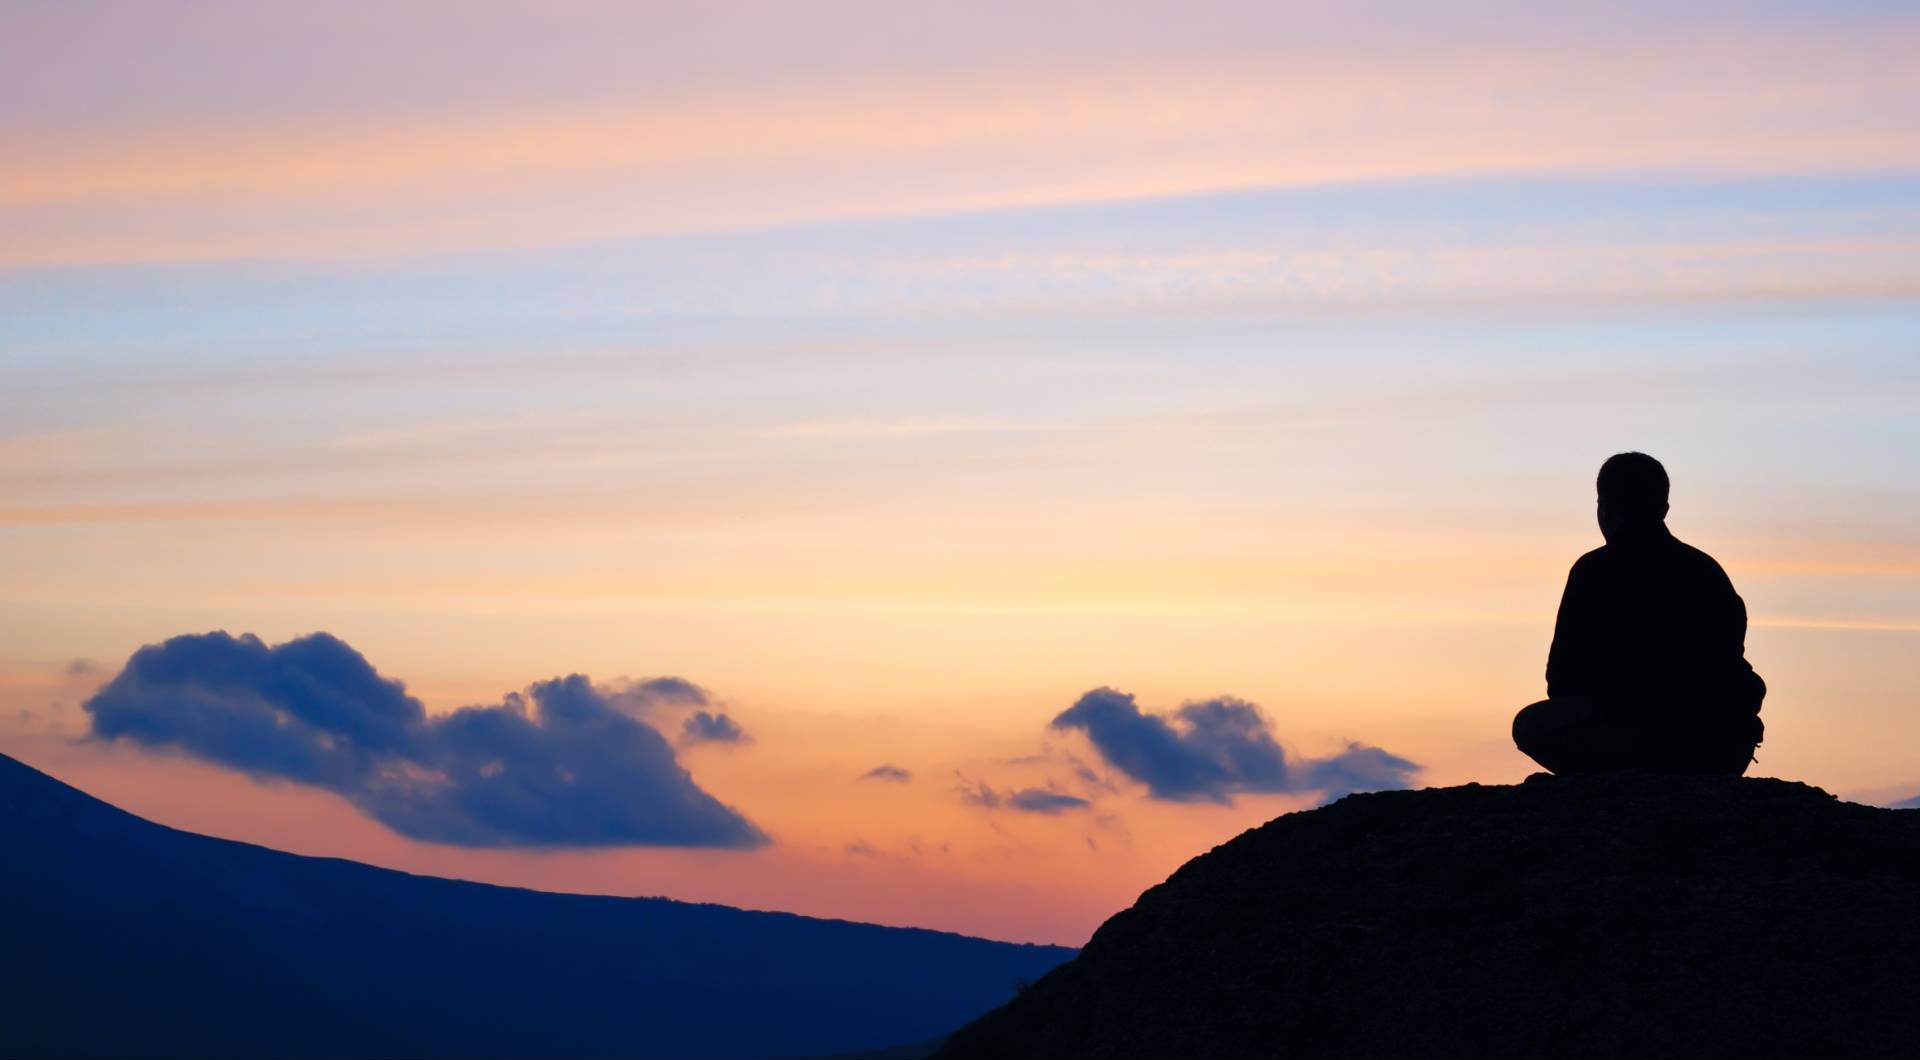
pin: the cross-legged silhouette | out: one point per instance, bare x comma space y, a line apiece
1647, 669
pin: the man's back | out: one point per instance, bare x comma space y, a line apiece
1651, 624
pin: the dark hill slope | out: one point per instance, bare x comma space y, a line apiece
120, 937
1613, 916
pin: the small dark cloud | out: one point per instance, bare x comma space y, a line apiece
1025, 800
560, 765
675, 690
860, 848
892, 774
642, 697
1039, 800
83, 668
1358, 768
707, 727
1210, 750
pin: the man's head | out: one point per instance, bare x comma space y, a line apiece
1633, 494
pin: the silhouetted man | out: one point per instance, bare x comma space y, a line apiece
1648, 667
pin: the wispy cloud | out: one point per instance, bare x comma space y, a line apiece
885, 428
1046, 802
354, 184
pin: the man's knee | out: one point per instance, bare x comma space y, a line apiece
1540, 722
1526, 726
1559, 734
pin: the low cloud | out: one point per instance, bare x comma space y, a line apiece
1026, 800
708, 727
911, 851
889, 773
1211, 750
559, 765
639, 697
1906, 804
1358, 768
1038, 800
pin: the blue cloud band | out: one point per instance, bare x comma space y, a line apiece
560, 765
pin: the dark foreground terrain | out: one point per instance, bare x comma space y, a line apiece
119, 937
1610, 916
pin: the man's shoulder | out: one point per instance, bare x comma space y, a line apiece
1595, 558
1670, 554
1701, 570
1697, 557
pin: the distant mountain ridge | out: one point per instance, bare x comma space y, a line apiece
127, 938
1630, 916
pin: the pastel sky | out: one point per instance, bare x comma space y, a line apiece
899, 373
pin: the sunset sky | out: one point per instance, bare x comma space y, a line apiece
898, 374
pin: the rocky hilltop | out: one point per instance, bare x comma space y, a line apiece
1625, 915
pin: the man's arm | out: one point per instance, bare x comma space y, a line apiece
1570, 659
1748, 688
